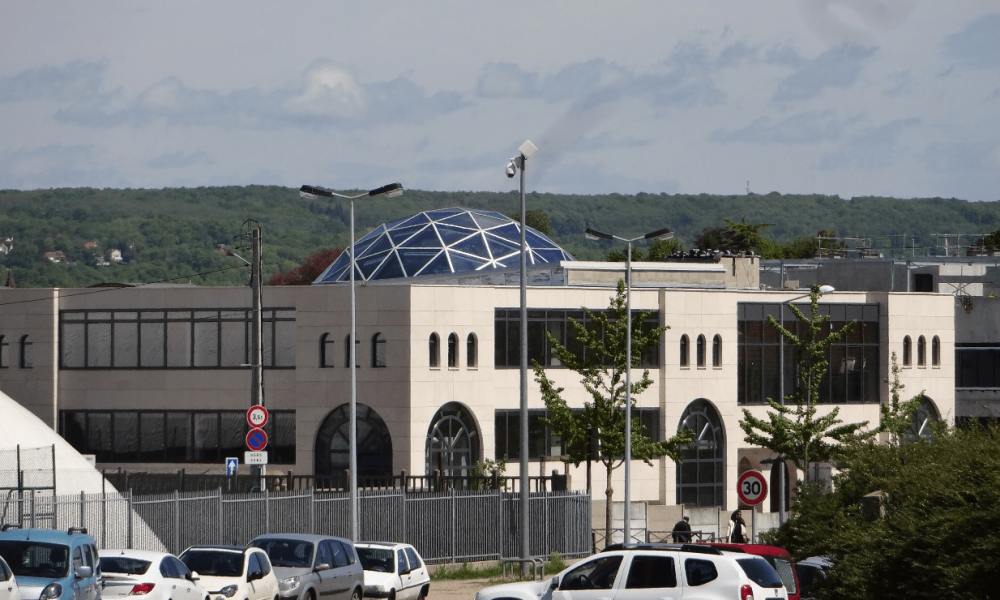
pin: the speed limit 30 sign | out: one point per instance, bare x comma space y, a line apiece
751, 487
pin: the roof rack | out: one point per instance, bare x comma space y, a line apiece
693, 548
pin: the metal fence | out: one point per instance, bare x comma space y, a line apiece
451, 526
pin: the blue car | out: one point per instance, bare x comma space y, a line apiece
52, 565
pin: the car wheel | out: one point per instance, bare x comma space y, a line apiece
310, 595
423, 593
392, 594
356, 595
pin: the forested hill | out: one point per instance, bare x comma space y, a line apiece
172, 234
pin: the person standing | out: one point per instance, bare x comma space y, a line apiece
682, 531
737, 528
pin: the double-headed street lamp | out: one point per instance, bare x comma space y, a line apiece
526, 151
662, 234
782, 484
386, 191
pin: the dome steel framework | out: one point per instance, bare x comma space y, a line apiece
448, 240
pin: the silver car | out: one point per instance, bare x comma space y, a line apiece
310, 567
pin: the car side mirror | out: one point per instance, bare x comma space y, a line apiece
193, 576
255, 576
84, 572
554, 583
322, 567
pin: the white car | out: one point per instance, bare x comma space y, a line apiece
654, 572
393, 571
152, 575
8, 583
233, 572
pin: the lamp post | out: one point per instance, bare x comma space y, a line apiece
525, 151
823, 290
661, 234
386, 191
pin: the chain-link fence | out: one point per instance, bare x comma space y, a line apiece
452, 526
28, 468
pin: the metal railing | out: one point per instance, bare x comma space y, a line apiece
451, 526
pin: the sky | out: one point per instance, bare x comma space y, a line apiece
841, 97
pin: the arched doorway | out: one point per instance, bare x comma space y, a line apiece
700, 476
453, 441
921, 424
332, 453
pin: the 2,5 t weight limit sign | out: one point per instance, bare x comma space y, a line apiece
751, 487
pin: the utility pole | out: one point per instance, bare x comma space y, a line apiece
257, 359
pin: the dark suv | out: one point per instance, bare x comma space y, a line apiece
52, 565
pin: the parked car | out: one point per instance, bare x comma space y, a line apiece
393, 571
779, 558
654, 571
8, 583
310, 567
812, 573
232, 572
51, 564
152, 575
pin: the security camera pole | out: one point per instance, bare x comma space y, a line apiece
527, 150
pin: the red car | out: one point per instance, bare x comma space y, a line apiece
779, 558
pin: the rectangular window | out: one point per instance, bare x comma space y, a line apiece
542, 441
174, 339
173, 436
765, 358
977, 367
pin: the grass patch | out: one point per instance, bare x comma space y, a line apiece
554, 565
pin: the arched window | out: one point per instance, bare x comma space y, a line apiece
700, 351
471, 357
332, 452
700, 476
27, 358
434, 350
453, 351
685, 351
907, 351
921, 425
326, 343
378, 350
717, 351
453, 441
921, 352
936, 351
347, 352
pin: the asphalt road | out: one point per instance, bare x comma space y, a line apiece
456, 589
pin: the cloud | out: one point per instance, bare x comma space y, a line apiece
179, 159
968, 157
978, 45
60, 84
506, 80
836, 68
54, 166
871, 150
325, 95
802, 128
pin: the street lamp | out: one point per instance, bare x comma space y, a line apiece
386, 191
661, 234
526, 151
823, 290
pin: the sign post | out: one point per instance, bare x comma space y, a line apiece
751, 487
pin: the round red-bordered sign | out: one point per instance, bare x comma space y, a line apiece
751, 487
256, 440
257, 416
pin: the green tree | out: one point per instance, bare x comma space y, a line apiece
536, 219
602, 368
897, 416
661, 249
793, 430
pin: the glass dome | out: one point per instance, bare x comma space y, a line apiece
449, 240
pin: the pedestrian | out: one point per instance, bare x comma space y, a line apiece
682, 530
737, 528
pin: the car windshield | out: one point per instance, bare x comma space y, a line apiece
124, 565
376, 559
286, 553
760, 572
214, 563
35, 559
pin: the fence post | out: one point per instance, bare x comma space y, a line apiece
81, 510
267, 510
128, 506
177, 520
454, 526
222, 525
312, 509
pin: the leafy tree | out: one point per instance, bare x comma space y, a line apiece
932, 530
792, 430
536, 219
602, 368
987, 243
311, 268
661, 249
896, 416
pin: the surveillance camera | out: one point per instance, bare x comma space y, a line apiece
511, 168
